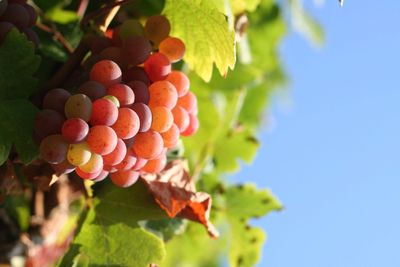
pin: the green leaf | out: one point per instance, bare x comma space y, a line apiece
239, 197
16, 127
246, 245
166, 228
240, 6
206, 34
232, 147
110, 234
17, 206
62, 16
18, 63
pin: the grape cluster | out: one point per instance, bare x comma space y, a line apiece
131, 111
17, 14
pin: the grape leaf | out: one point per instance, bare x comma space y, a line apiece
110, 234
174, 190
206, 34
242, 203
246, 244
240, 6
18, 63
16, 127
239, 197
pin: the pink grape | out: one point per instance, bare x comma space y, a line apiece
74, 130
104, 112
127, 124
106, 72
117, 155
53, 149
144, 114
124, 178
157, 67
123, 93
102, 139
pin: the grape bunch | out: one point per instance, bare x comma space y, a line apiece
20, 15
133, 108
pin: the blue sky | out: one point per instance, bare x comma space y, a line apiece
333, 156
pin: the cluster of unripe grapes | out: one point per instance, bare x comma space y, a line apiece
17, 14
131, 111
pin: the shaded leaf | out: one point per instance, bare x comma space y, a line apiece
16, 127
17, 66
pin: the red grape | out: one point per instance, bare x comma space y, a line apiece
55, 99
156, 29
123, 93
53, 149
74, 130
106, 72
104, 112
136, 50
124, 178
157, 67
102, 139
144, 114
17, 15
156, 165
135, 73
171, 137
92, 89
162, 119
188, 102
172, 48
193, 126
181, 118
127, 124
163, 93
117, 155
180, 81
141, 91
148, 144
48, 122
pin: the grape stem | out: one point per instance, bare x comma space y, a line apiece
58, 36
82, 49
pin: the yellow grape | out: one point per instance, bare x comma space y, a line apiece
78, 154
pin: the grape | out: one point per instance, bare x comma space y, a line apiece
32, 14
3, 6
87, 175
128, 162
127, 124
117, 155
144, 114
156, 165
62, 168
74, 130
129, 142
124, 178
157, 67
172, 48
48, 122
136, 50
131, 27
114, 54
171, 137
123, 93
113, 99
5, 27
92, 89
188, 102
32, 36
78, 106
141, 91
104, 112
106, 72
180, 81
193, 126
17, 15
140, 162
53, 149
162, 119
102, 139
95, 164
110, 169
99, 43
55, 99
135, 73
79, 154
148, 144
103, 175
163, 93
156, 29
181, 118
115, 38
